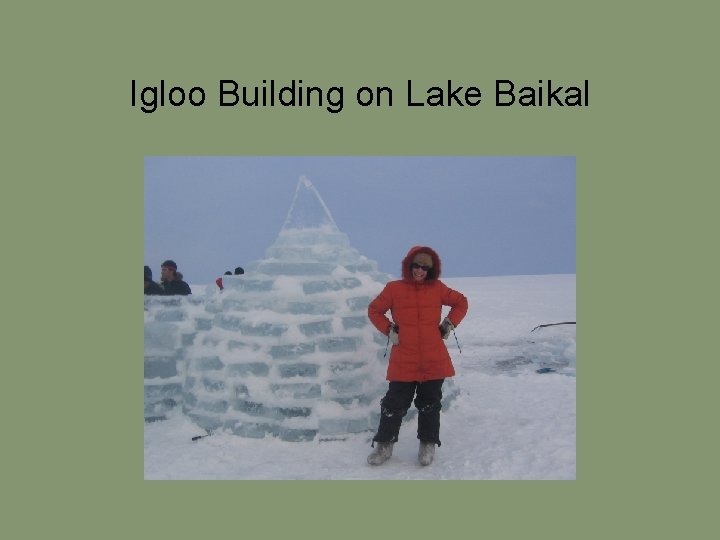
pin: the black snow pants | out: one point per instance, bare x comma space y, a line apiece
394, 406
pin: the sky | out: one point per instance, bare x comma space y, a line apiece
485, 216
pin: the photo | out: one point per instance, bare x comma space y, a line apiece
360, 318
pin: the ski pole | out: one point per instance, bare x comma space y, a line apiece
456, 341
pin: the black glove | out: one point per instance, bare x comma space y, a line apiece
445, 328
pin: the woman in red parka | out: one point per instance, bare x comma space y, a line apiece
419, 360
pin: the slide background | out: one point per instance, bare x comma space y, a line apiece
72, 210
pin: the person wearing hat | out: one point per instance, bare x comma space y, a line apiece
150, 286
172, 283
419, 360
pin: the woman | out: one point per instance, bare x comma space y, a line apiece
419, 360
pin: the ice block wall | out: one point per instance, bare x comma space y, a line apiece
284, 350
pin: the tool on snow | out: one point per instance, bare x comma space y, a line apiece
551, 324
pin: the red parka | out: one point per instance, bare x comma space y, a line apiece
416, 307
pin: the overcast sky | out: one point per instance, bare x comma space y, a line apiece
484, 215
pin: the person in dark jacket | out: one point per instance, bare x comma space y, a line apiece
172, 283
419, 360
150, 286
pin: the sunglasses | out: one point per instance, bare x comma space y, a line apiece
422, 267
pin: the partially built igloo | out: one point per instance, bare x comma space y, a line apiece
285, 350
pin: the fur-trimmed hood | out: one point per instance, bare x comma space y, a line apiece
437, 264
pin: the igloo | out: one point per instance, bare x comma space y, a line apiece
284, 350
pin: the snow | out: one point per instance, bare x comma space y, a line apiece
508, 421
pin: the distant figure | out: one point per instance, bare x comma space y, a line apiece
219, 282
172, 282
419, 360
238, 271
150, 286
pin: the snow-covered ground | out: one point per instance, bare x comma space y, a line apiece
509, 422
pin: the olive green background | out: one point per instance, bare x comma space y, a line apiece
72, 230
